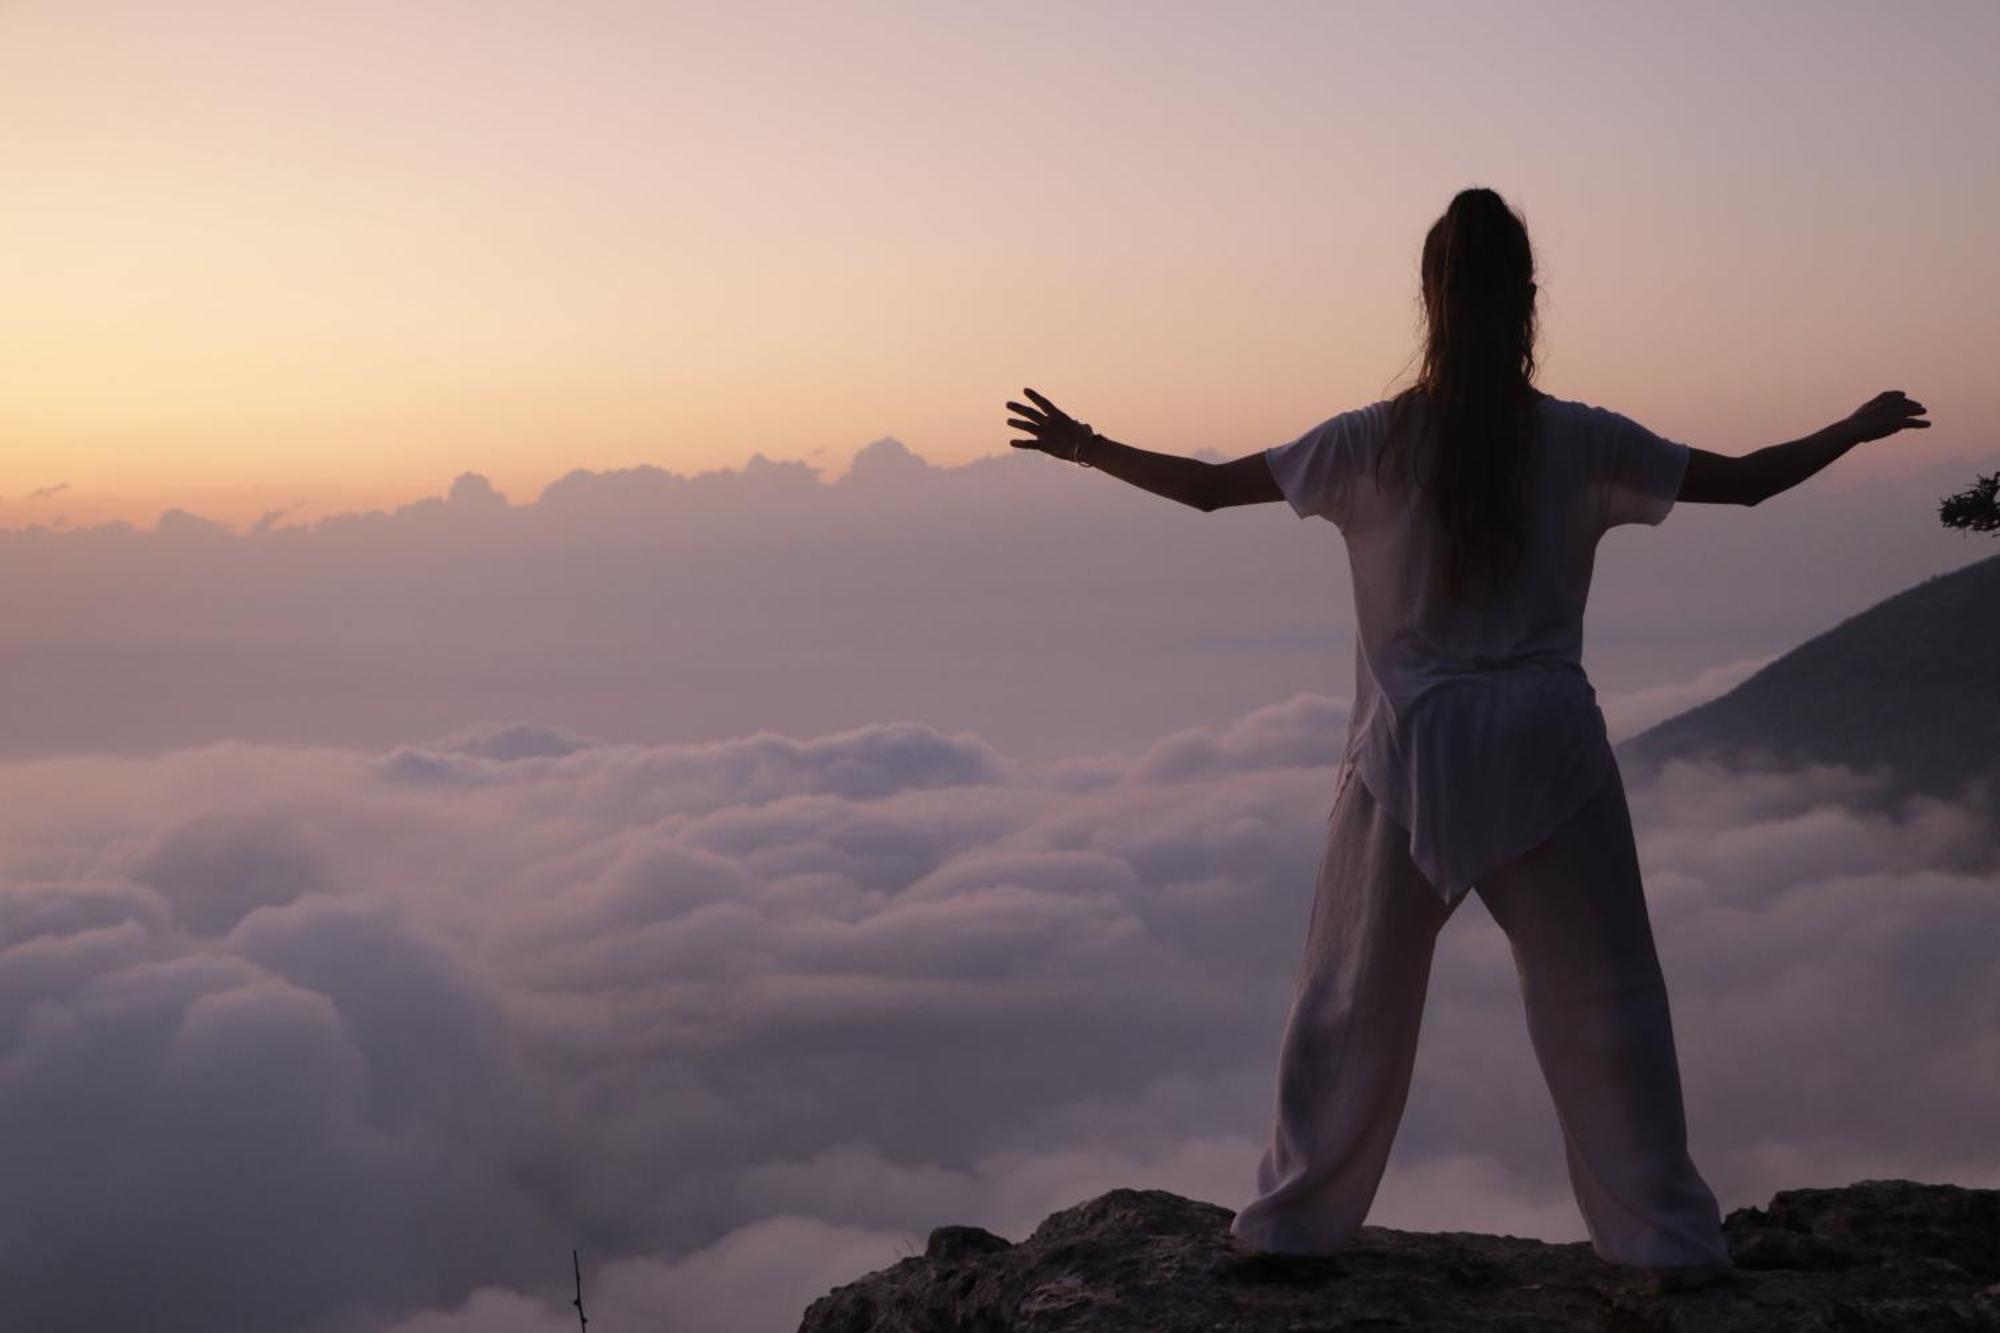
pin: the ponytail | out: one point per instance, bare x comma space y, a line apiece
1477, 382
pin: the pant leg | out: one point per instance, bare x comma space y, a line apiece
1350, 1042
1575, 914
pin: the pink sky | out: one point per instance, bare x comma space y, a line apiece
258, 256
735, 876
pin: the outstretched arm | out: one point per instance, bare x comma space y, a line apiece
1753, 477
1194, 482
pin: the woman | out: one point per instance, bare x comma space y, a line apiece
1471, 504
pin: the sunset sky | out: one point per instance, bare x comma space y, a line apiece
460, 805
261, 256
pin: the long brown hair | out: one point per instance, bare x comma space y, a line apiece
1477, 380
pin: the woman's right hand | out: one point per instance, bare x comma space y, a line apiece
1050, 429
1885, 414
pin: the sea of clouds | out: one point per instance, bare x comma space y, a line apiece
915, 848
312, 1038
1050, 608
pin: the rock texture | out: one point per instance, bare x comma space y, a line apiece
1877, 1255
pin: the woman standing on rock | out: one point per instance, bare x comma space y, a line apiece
1471, 505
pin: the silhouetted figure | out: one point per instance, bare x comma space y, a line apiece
1470, 505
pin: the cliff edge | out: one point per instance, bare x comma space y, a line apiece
1878, 1254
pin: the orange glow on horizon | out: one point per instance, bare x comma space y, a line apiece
255, 257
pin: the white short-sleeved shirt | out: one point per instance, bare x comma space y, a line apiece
1474, 724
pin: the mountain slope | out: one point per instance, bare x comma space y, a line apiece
1910, 687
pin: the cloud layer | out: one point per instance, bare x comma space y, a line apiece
308, 1038
1049, 608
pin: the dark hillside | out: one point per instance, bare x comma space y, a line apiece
1911, 686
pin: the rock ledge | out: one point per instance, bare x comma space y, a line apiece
1878, 1254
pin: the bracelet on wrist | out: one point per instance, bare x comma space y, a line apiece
1088, 436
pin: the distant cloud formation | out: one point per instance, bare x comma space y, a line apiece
297, 1037
48, 492
268, 520
1050, 608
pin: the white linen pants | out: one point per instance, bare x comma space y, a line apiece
1573, 911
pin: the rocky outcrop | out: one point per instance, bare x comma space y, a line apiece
1877, 1255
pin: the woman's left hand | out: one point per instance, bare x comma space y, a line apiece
1054, 431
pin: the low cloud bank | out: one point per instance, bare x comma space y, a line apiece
307, 1038
1049, 608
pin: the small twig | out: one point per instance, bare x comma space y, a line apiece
582, 1320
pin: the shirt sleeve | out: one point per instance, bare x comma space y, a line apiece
1641, 472
1316, 471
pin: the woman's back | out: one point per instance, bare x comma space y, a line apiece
1471, 549
1473, 713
